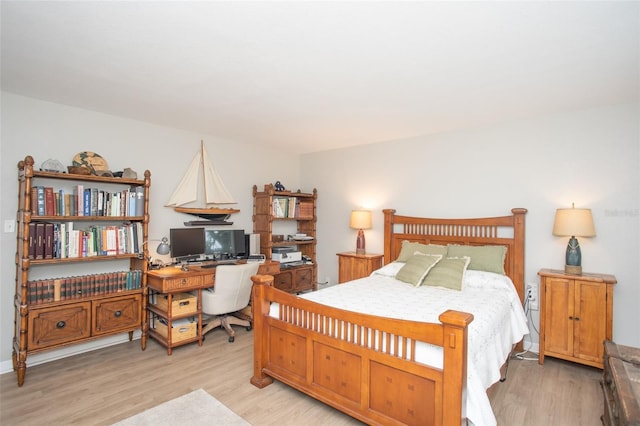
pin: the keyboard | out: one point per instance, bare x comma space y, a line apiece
209, 265
219, 262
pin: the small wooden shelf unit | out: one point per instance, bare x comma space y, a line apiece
302, 211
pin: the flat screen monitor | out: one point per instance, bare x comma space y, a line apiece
225, 243
186, 243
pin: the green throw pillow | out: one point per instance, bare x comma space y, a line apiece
448, 273
483, 258
417, 267
410, 248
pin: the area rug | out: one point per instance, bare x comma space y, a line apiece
194, 409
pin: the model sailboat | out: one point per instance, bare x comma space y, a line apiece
215, 193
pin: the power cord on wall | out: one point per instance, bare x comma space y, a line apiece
521, 355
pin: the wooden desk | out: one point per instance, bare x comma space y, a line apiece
171, 281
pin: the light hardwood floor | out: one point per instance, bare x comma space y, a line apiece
111, 384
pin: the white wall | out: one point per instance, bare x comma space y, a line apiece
46, 130
588, 157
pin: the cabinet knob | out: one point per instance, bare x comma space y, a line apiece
61, 324
117, 314
577, 318
571, 318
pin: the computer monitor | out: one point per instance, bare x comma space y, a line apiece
186, 243
225, 243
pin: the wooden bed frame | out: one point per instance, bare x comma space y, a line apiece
365, 365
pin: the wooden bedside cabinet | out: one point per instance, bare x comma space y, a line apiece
352, 266
576, 315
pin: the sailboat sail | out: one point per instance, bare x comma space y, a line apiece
215, 190
187, 190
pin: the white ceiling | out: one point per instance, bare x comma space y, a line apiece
311, 76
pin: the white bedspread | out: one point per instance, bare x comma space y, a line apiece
499, 320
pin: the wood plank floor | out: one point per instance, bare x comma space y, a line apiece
111, 384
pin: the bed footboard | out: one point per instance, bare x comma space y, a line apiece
360, 364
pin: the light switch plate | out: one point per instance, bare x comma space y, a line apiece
9, 225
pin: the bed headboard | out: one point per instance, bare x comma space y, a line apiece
504, 230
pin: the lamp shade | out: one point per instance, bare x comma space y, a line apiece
163, 248
360, 219
574, 223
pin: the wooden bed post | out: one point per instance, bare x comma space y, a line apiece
388, 234
454, 365
260, 335
518, 251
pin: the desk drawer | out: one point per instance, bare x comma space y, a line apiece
166, 285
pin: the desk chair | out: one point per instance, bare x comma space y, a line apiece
222, 304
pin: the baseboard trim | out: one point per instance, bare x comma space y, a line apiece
53, 355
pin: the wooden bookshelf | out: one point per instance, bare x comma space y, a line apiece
63, 309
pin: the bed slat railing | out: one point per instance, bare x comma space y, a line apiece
437, 229
393, 344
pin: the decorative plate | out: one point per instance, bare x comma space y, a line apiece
91, 160
52, 165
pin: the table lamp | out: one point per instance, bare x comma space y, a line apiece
360, 220
573, 223
162, 249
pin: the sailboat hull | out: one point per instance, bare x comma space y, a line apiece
213, 213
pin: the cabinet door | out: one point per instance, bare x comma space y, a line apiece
122, 313
59, 325
346, 265
559, 302
284, 281
590, 320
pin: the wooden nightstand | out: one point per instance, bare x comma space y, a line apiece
352, 266
576, 315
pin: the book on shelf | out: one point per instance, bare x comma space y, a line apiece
49, 202
100, 211
32, 240
86, 202
38, 207
291, 202
139, 210
78, 195
39, 251
60, 203
48, 240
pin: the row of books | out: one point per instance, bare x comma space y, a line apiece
57, 289
46, 201
61, 241
292, 207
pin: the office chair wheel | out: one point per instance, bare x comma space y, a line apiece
231, 339
249, 328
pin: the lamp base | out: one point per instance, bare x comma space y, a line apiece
360, 243
573, 270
